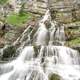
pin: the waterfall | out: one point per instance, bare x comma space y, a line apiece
41, 54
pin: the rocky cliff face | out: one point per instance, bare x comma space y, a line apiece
67, 10
64, 11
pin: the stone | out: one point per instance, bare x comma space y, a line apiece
8, 52
54, 77
77, 48
10, 35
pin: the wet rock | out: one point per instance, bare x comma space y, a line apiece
8, 52
76, 48
54, 77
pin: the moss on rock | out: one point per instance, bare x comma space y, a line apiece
54, 77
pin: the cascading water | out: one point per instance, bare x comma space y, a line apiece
42, 55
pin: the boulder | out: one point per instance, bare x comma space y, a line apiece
8, 52
54, 77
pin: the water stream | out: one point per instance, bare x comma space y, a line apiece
41, 54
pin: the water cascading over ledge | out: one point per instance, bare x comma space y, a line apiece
42, 55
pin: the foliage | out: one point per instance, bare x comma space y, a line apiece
72, 36
74, 42
18, 20
3, 1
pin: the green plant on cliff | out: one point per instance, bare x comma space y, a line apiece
72, 36
18, 20
74, 42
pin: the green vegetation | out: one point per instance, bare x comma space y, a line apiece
74, 42
3, 1
73, 37
18, 19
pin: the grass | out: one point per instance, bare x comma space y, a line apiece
18, 19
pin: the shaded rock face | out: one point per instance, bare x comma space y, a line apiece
4, 28
9, 33
76, 48
8, 52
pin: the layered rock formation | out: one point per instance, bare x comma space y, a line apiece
65, 12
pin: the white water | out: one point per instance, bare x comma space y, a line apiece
40, 61
41, 35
